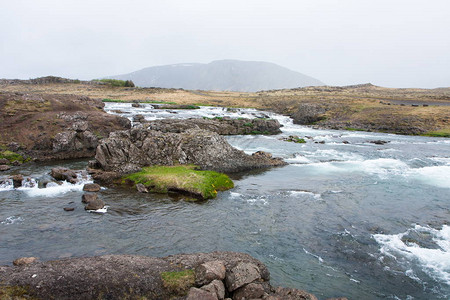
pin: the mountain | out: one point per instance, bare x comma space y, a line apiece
220, 75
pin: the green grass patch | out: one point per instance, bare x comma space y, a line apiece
178, 282
12, 156
248, 124
438, 133
181, 178
353, 129
116, 82
112, 100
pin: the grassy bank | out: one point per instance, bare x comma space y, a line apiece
182, 178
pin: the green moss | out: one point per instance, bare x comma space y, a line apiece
15, 293
181, 178
12, 156
178, 282
248, 124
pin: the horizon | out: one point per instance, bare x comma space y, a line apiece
402, 44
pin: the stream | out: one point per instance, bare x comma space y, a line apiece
346, 217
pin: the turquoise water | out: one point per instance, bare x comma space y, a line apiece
357, 219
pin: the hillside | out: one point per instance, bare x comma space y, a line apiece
221, 75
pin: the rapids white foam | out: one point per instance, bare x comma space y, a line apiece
54, 189
435, 262
11, 220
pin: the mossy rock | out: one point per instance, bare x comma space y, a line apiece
179, 282
185, 179
12, 156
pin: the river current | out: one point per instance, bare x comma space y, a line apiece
345, 217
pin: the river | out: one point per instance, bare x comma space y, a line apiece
346, 217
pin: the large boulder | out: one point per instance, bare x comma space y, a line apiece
223, 126
128, 151
60, 173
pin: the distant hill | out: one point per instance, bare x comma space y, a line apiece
221, 75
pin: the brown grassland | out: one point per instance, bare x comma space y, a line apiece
358, 107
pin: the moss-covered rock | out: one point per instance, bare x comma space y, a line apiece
178, 283
181, 178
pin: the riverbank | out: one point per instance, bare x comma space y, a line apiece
209, 276
359, 107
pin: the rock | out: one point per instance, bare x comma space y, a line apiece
60, 173
243, 273
16, 163
24, 261
17, 180
198, 294
91, 187
136, 105
209, 271
249, 291
222, 126
94, 204
117, 276
379, 142
69, 208
4, 161
293, 294
4, 168
215, 287
139, 118
340, 298
88, 197
309, 113
345, 142
141, 188
127, 151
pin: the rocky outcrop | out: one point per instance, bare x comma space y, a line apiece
140, 277
127, 151
46, 126
223, 126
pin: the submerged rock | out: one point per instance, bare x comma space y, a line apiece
127, 151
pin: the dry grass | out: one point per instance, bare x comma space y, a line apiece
363, 103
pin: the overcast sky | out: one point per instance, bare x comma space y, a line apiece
393, 43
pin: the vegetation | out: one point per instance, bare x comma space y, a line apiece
178, 282
14, 292
439, 133
294, 139
144, 101
183, 179
116, 82
12, 156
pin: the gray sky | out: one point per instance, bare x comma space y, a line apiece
393, 43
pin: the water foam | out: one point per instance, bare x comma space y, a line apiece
11, 220
437, 175
435, 262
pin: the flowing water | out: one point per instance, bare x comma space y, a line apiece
351, 219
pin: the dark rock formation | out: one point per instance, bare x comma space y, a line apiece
127, 151
221, 126
139, 277
309, 113
24, 261
47, 127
